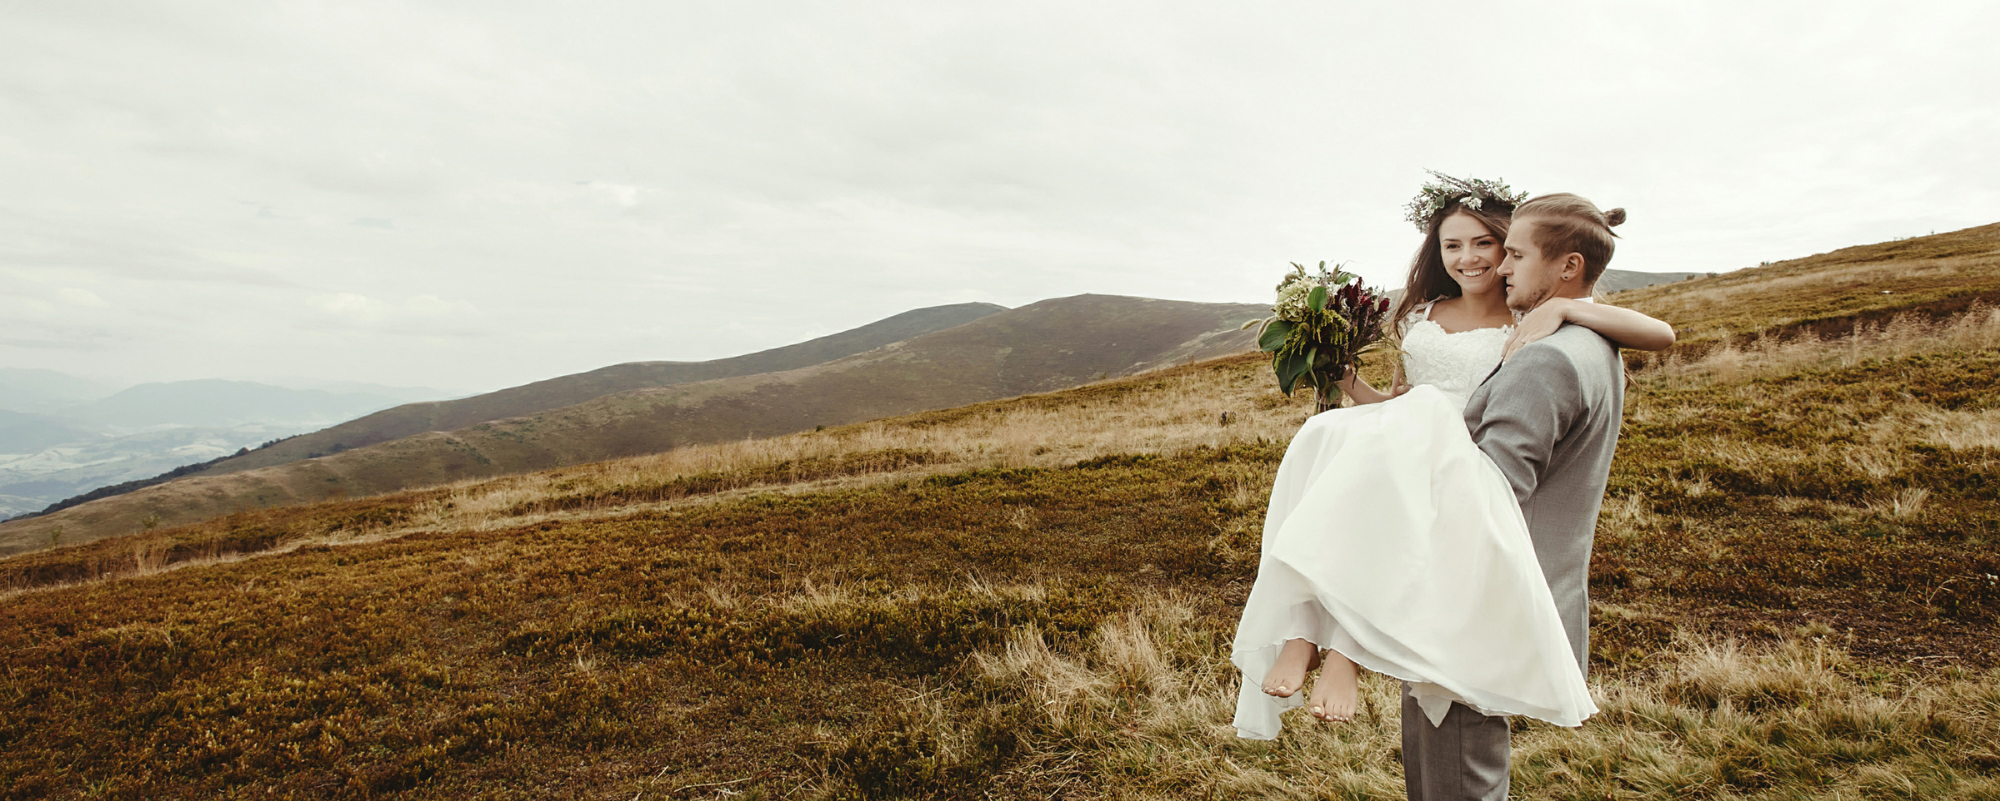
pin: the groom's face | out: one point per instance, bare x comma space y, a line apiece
1530, 274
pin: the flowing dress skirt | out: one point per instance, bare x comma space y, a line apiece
1394, 540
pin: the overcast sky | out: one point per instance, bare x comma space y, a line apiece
479, 194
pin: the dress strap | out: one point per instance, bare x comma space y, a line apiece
1421, 313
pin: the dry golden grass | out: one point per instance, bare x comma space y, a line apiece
1957, 430
1141, 711
1975, 329
1177, 410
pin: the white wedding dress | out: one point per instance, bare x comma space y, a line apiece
1394, 540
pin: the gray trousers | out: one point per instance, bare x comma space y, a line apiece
1464, 758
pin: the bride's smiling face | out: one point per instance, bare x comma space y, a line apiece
1470, 252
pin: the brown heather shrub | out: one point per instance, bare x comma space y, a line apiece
591, 656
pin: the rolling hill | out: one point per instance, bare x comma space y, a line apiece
1794, 589
540, 396
1037, 348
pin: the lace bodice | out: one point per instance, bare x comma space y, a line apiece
1455, 363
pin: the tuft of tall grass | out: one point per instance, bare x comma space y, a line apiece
1141, 710
1975, 329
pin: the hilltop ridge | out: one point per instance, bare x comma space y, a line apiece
553, 393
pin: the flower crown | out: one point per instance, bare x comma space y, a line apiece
1475, 194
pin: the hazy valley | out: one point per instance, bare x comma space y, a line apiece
61, 436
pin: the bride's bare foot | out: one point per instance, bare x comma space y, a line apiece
1334, 696
1288, 674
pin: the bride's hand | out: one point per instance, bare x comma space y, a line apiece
1533, 326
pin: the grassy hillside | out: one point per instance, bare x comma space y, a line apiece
1044, 346
1797, 594
540, 396
1828, 293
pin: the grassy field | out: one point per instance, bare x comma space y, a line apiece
1797, 590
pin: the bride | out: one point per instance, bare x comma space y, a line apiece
1391, 540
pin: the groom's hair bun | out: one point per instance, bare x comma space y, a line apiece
1563, 223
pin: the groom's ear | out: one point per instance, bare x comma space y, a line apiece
1572, 268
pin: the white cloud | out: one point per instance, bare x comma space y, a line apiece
487, 194
416, 314
626, 195
80, 297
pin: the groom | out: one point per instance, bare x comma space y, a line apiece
1549, 418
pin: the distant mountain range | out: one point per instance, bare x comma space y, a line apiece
25, 390
926, 359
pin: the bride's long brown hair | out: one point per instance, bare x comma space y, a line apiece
1428, 280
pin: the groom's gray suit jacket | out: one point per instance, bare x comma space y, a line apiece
1549, 418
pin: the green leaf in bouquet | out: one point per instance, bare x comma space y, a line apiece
1317, 298
1289, 367
1274, 336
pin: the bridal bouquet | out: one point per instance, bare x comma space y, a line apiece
1321, 325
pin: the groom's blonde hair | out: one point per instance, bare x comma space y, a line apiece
1562, 223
